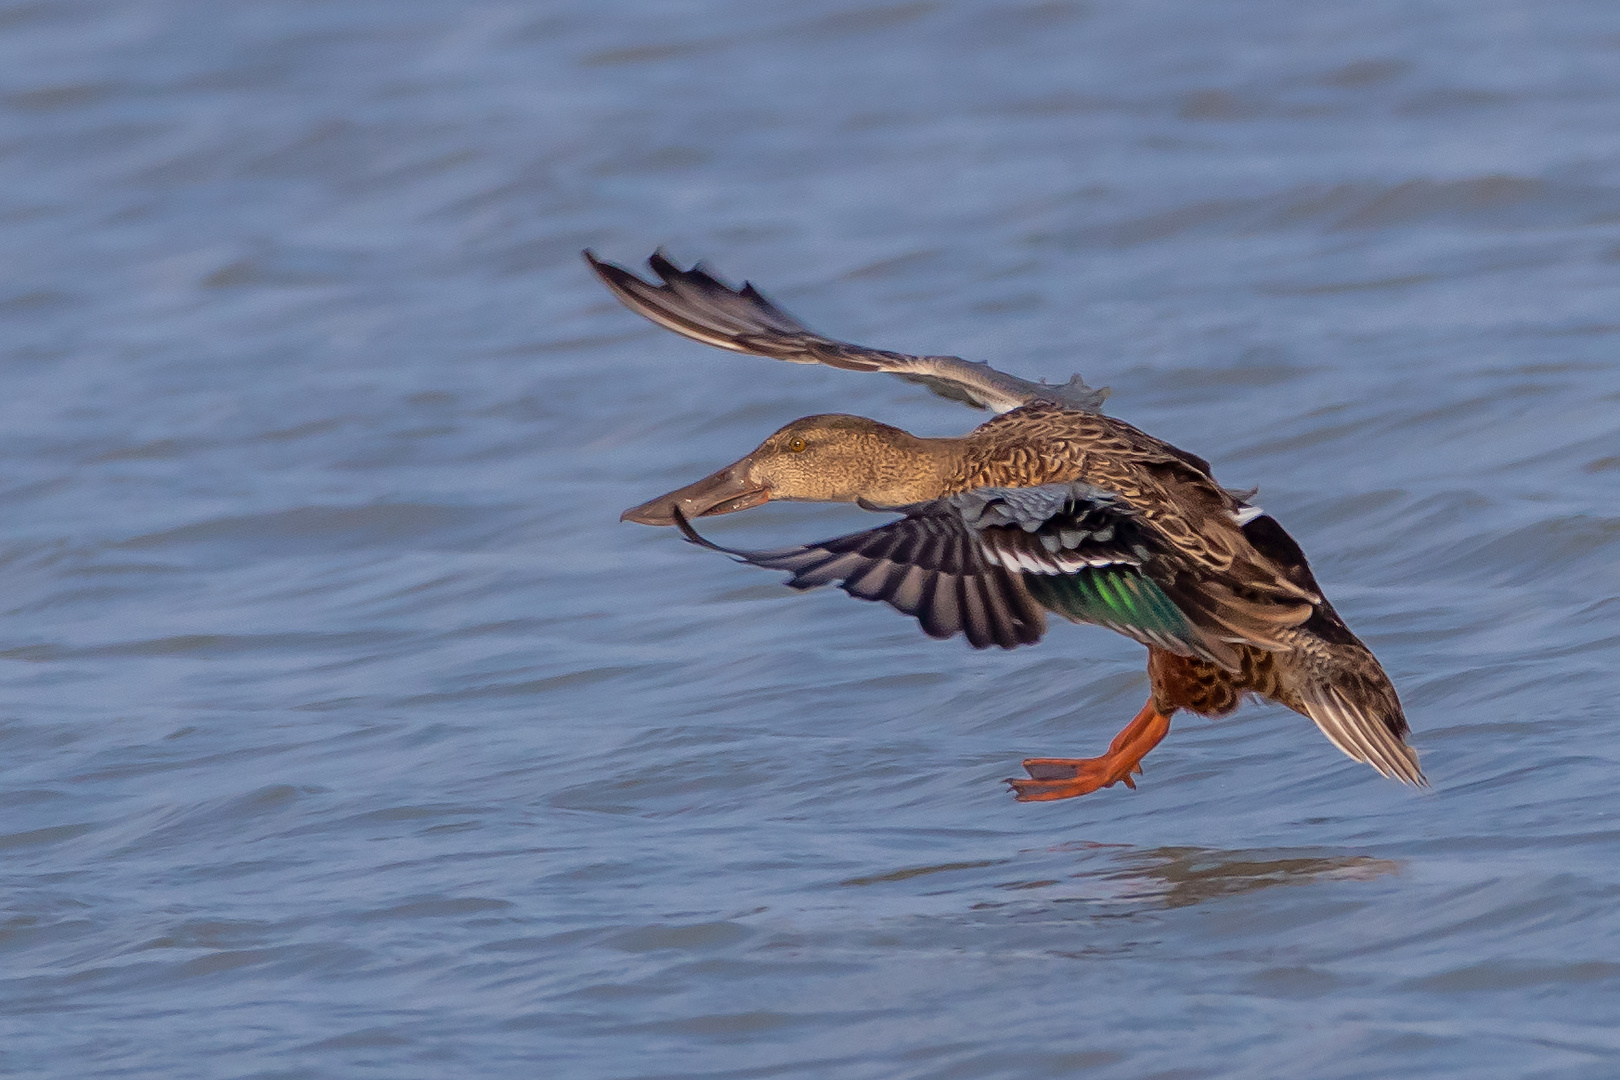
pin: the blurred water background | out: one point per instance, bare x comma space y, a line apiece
346, 732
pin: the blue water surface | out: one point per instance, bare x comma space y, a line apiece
347, 733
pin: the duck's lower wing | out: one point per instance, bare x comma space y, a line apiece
695, 304
988, 562
924, 565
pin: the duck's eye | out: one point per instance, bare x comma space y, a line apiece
797, 446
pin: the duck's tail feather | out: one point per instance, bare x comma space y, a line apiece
1363, 718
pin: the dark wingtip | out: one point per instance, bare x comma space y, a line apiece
683, 523
659, 261
612, 274
604, 269
909, 509
692, 535
663, 265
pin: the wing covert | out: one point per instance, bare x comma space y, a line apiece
1086, 554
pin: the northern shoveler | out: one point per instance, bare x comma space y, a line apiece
1049, 507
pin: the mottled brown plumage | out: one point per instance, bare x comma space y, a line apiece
1049, 506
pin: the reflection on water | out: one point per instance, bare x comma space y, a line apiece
1180, 877
1164, 877
910, 872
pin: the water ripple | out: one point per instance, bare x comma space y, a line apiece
348, 733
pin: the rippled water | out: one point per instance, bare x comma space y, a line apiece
346, 732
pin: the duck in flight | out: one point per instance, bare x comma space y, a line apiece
1049, 507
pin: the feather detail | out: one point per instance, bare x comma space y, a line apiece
1361, 735
924, 566
696, 304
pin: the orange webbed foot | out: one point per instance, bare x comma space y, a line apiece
1064, 778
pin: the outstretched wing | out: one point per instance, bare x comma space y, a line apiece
695, 304
926, 565
985, 563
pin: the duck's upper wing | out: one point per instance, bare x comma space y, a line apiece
698, 305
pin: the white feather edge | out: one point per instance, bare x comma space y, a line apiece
1368, 741
1028, 562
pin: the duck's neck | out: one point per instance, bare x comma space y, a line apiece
912, 470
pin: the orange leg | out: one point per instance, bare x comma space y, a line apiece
1064, 778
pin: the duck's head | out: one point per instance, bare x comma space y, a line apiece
831, 458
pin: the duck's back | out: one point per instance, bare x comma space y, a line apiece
1046, 444
1170, 488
